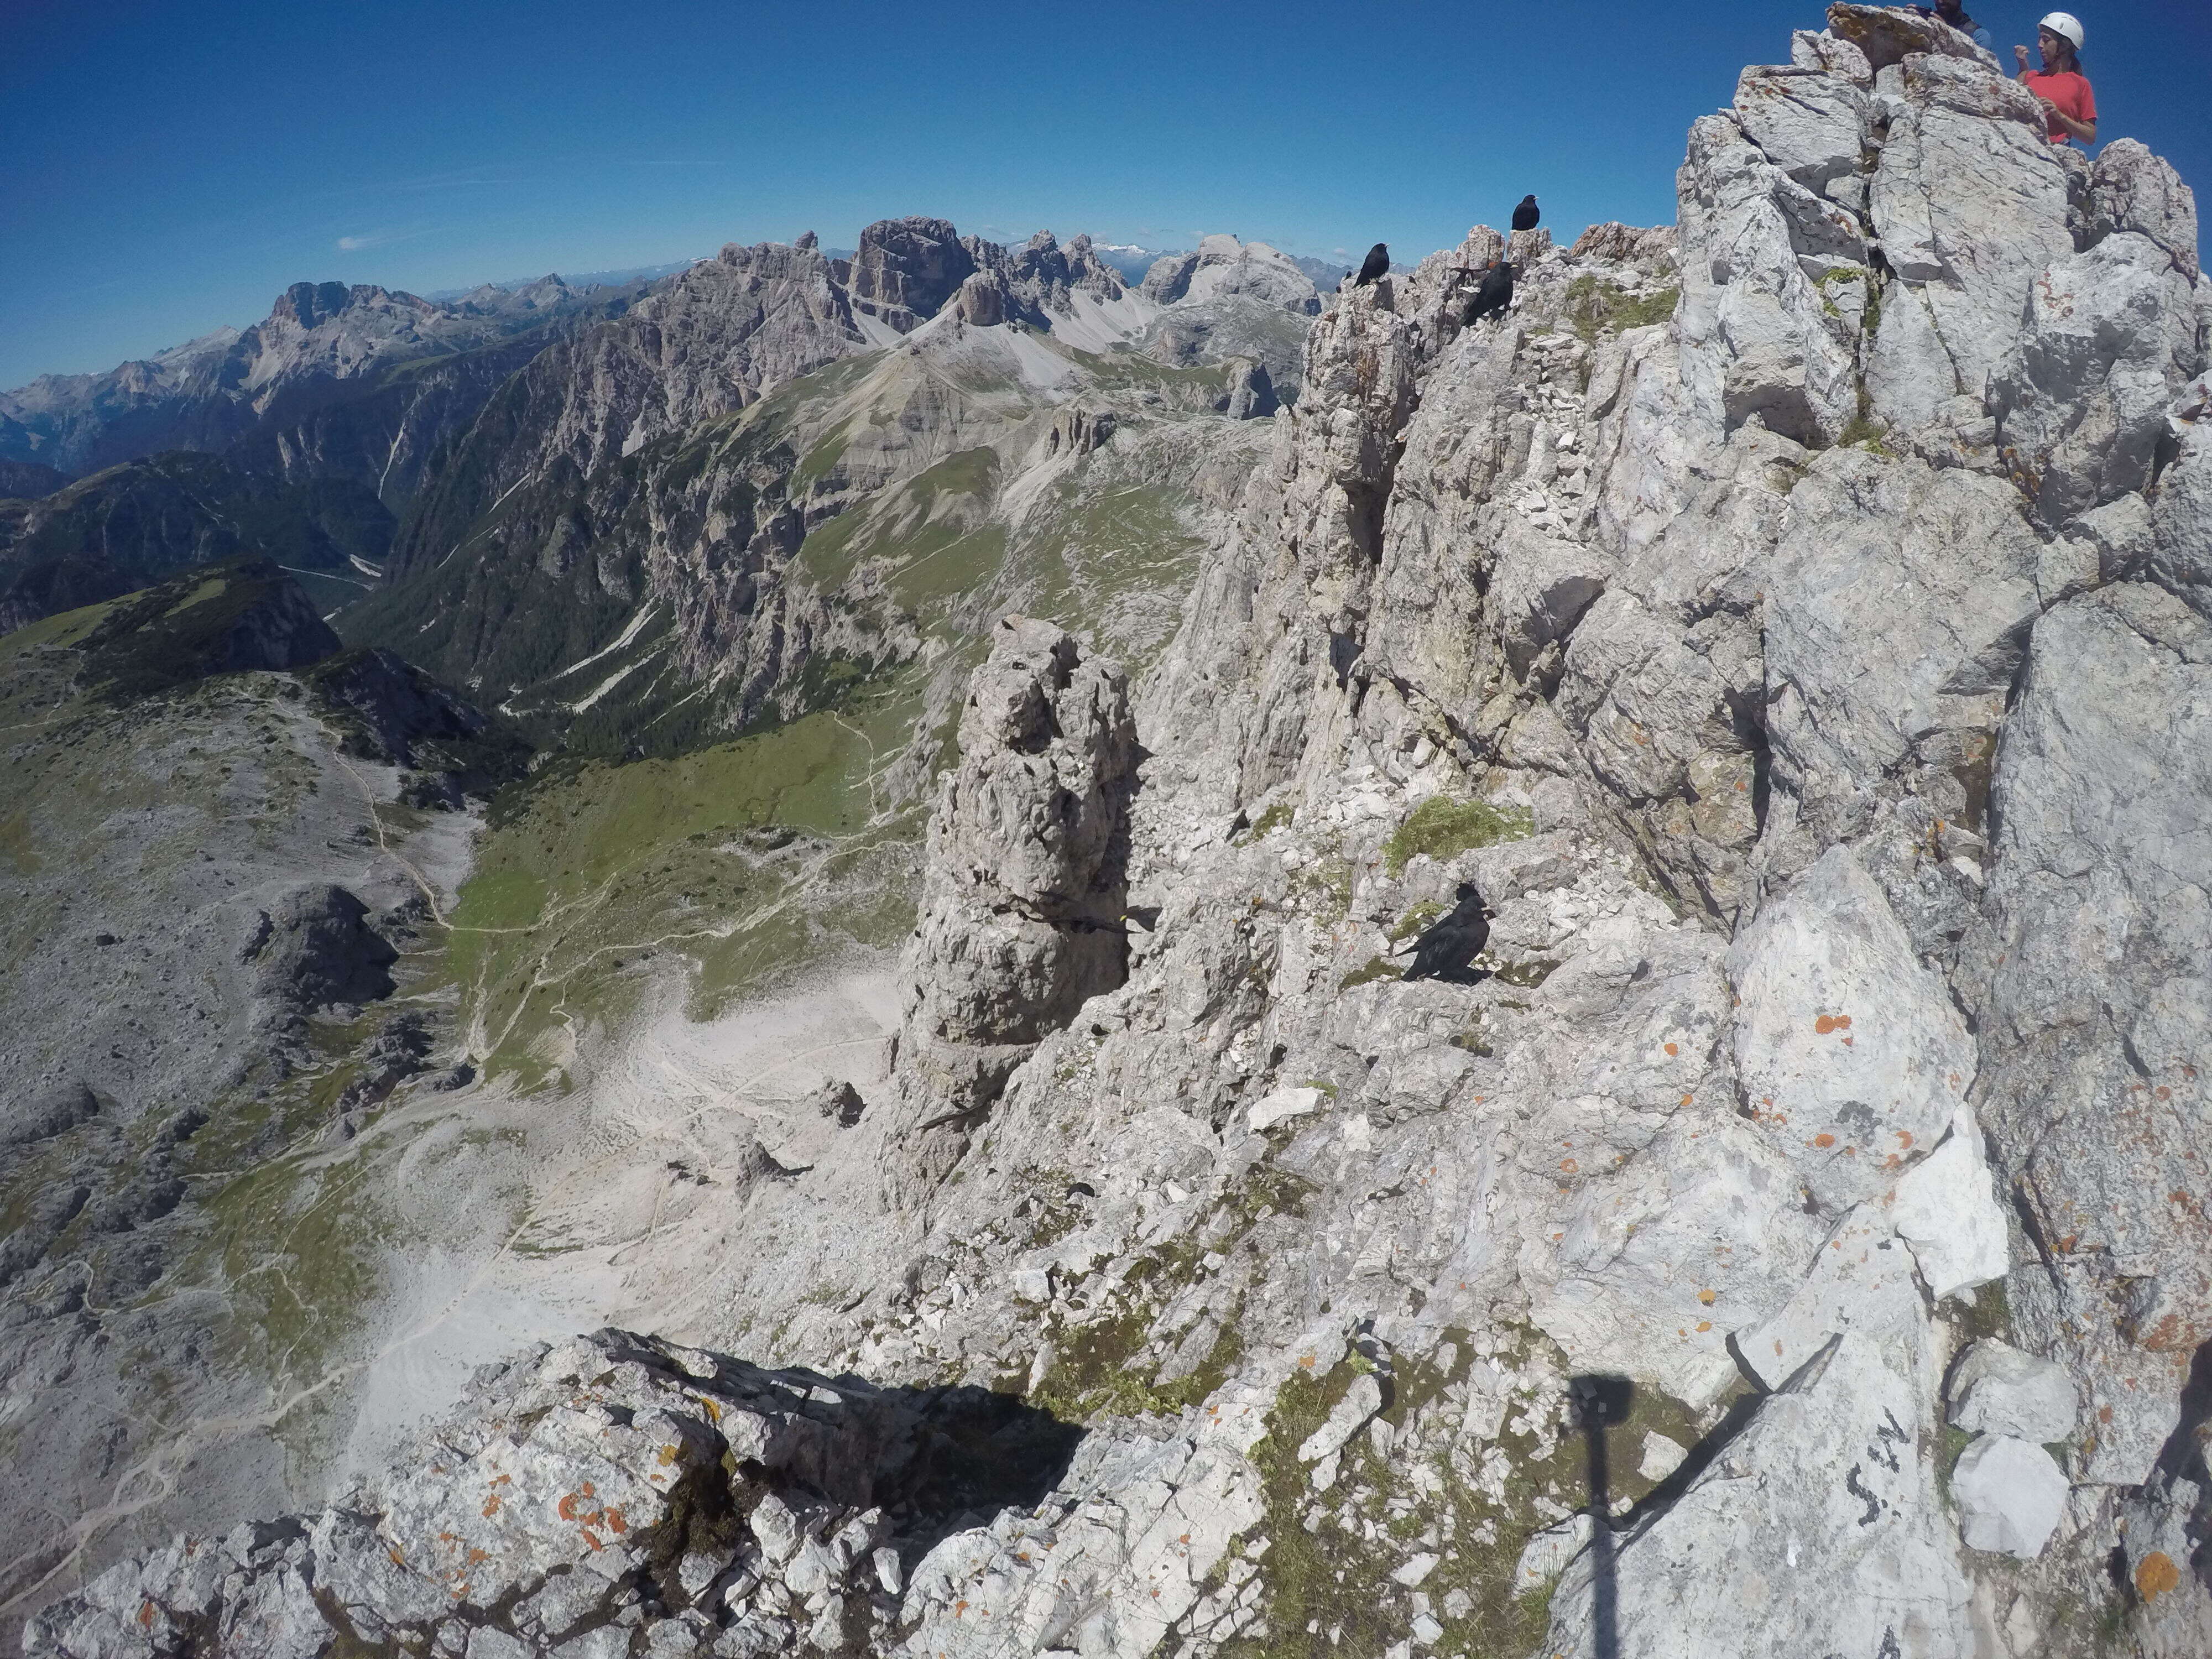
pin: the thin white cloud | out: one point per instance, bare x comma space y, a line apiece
376, 239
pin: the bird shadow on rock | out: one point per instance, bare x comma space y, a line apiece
1463, 974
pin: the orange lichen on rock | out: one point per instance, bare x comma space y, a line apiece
2156, 1576
1828, 1022
1708, 1297
1824, 1141
2167, 1336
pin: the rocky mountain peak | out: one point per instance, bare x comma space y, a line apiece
1221, 267
307, 304
905, 269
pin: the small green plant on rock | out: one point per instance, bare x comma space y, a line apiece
1415, 921
1442, 828
1373, 969
1594, 307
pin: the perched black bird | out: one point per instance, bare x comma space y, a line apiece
1494, 294
1527, 215
1450, 944
1377, 262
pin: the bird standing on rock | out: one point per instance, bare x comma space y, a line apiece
1494, 294
1377, 262
1448, 946
1527, 215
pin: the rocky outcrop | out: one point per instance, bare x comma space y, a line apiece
619, 1494
236, 618
313, 948
1027, 880
1799, 592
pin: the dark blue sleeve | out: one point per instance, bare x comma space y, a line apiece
1985, 41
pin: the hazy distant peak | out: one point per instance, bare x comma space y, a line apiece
1221, 267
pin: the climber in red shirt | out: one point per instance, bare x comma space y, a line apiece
2061, 87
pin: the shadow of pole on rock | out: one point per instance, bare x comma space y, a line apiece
1599, 1402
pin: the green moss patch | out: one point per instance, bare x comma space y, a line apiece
1415, 921
1595, 307
1442, 828
1373, 969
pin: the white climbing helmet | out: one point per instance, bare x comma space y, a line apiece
2066, 26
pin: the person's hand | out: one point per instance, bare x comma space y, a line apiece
2020, 56
2049, 108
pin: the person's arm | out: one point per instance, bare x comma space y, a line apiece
2085, 131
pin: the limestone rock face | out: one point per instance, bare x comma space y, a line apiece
1027, 875
1842, 1034
2111, 340
2094, 1076
1956, 569
1830, 1471
1760, 337
1885, 35
1810, 123
2132, 189
2174, 537
618, 1483
1968, 205
905, 269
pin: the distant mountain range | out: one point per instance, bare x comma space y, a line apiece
619, 276
355, 429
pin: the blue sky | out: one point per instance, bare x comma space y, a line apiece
170, 169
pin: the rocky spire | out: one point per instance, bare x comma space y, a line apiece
1026, 881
